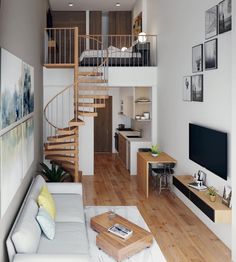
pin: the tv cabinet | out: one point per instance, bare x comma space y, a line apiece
216, 211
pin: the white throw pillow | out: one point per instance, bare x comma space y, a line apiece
46, 223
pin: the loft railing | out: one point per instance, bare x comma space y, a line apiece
117, 50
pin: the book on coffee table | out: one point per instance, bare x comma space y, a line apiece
120, 231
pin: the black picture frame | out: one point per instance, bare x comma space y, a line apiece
225, 16
211, 54
187, 88
211, 22
197, 88
197, 58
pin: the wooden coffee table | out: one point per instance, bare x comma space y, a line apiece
115, 246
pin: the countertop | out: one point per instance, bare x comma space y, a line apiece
133, 133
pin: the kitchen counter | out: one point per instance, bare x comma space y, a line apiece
133, 139
132, 147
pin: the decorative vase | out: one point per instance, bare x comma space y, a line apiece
212, 198
154, 155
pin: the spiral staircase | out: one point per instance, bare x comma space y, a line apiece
65, 113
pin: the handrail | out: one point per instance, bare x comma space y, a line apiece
49, 121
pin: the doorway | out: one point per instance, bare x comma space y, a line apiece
103, 128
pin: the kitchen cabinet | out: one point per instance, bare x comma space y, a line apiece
122, 149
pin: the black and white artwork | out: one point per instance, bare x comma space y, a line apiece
187, 88
211, 22
197, 58
210, 50
227, 195
225, 16
197, 88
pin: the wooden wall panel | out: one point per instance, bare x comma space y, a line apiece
70, 19
120, 23
95, 28
95, 22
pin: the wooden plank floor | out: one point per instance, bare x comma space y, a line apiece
179, 233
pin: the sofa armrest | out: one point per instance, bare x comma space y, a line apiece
51, 258
65, 188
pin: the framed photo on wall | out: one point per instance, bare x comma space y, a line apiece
187, 88
225, 16
197, 58
197, 88
210, 51
211, 22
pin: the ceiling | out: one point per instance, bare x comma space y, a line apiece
92, 5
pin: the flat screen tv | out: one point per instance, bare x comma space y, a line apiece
208, 148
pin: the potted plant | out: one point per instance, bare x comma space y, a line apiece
155, 150
211, 191
55, 174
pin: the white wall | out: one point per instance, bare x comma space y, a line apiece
233, 146
22, 26
179, 28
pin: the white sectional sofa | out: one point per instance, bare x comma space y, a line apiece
27, 243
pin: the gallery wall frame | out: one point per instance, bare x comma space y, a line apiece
197, 88
187, 88
211, 54
211, 22
197, 58
225, 16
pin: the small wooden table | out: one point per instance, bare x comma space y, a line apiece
143, 161
115, 246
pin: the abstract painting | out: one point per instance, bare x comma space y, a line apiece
225, 16
11, 166
28, 89
27, 144
10, 89
211, 22
187, 88
197, 88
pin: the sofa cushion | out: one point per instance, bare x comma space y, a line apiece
38, 183
46, 223
46, 200
27, 233
70, 238
69, 208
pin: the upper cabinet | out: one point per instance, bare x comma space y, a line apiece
127, 101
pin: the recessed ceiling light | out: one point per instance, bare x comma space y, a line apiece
118, 4
71, 4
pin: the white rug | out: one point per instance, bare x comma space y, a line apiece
152, 254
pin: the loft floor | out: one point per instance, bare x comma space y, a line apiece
179, 233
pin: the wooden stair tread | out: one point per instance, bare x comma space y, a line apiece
59, 145
61, 138
92, 105
102, 81
60, 157
59, 151
77, 122
94, 96
66, 131
90, 74
91, 114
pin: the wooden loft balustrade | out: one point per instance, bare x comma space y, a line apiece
65, 112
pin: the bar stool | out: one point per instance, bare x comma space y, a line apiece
163, 173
